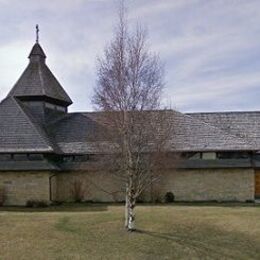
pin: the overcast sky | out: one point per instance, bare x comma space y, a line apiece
211, 48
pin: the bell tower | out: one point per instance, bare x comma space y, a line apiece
38, 89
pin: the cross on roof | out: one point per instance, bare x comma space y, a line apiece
37, 33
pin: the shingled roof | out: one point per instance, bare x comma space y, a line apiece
77, 133
17, 132
38, 81
189, 134
37, 51
244, 125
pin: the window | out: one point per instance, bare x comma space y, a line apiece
60, 108
68, 158
50, 106
55, 107
5, 157
209, 156
233, 155
35, 157
200, 155
81, 158
34, 103
195, 156
20, 157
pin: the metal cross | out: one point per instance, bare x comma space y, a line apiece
37, 33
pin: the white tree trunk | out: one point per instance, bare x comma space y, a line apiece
131, 206
131, 219
126, 208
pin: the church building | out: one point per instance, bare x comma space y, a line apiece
45, 149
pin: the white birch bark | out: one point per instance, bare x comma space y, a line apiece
126, 208
130, 83
131, 220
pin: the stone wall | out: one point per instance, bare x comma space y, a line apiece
100, 186
187, 185
19, 187
208, 184
97, 186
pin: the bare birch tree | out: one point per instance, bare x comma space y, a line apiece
128, 91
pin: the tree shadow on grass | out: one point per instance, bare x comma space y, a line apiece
68, 207
206, 246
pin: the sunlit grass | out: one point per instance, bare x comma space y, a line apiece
163, 232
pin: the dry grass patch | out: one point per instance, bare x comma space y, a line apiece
164, 232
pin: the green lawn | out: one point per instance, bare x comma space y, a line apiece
164, 232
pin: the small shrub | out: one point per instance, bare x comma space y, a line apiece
169, 197
36, 204
29, 203
2, 196
89, 201
56, 203
158, 200
78, 190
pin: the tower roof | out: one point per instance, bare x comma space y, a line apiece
37, 81
37, 50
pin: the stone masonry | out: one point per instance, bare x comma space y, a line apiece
186, 185
19, 187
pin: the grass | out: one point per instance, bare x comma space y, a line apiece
163, 232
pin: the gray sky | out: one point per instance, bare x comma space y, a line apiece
211, 48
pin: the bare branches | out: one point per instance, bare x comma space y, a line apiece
128, 91
130, 77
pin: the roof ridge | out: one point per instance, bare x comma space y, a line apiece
40, 127
58, 84
3, 100
41, 79
223, 112
16, 82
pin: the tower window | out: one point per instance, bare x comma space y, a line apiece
49, 105
60, 108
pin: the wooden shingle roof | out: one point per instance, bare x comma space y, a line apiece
244, 124
37, 51
38, 81
17, 132
191, 134
76, 133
